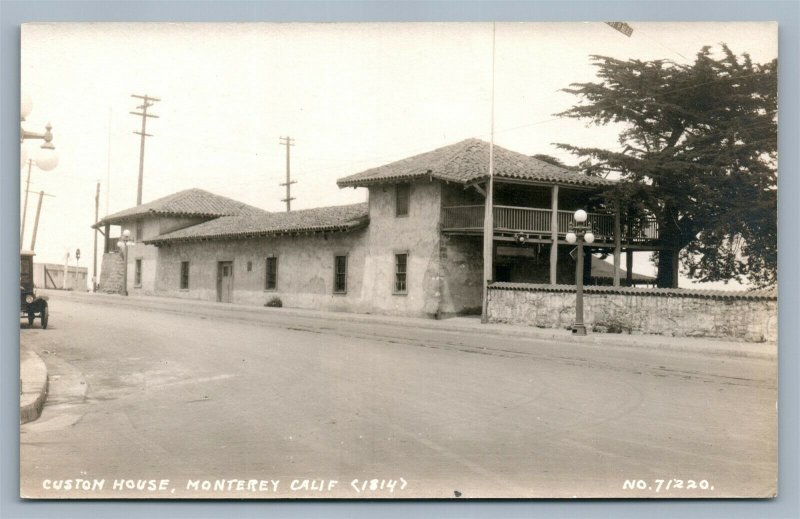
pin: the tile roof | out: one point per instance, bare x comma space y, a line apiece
320, 219
190, 202
766, 294
468, 161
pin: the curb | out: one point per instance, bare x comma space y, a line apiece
34, 390
644, 341
612, 340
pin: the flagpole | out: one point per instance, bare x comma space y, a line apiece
488, 214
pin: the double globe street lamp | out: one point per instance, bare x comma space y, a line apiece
579, 232
45, 158
123, 244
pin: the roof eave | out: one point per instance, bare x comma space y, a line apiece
260, 234
115, 220
394, 179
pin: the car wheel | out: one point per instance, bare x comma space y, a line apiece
31, 317
45, 315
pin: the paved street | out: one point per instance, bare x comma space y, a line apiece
144, 391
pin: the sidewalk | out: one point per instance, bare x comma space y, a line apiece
471, 325
33, 385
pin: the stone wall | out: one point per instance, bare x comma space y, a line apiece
111, 273
749, 316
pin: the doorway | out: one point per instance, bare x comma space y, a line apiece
225, 281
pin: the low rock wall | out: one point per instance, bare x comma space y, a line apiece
112, 274
748, 316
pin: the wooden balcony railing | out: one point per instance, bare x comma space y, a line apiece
538, 221
462, 218
521, 219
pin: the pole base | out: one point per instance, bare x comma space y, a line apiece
578, 329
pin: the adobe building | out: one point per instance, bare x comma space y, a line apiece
146, 221
416, 248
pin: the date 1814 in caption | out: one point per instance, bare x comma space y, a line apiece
667, 485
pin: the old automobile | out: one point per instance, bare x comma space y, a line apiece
30, 305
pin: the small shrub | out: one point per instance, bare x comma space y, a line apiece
275, 302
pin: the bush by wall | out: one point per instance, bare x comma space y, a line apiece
275, 302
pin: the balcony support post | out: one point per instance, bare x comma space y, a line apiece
554, 236
617, 244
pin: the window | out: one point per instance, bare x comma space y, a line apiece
184, 275
249, 266
272, 273
400, 273
137, 276
340, 274
402, 195
139, 230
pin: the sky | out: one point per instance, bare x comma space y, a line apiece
352, 96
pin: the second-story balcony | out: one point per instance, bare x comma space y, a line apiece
508, 219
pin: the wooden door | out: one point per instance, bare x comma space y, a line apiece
225, 281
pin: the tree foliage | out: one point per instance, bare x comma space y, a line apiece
698, 150
555, 161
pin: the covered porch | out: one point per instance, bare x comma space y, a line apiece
539, 222
530, 221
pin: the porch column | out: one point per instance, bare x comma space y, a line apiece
554, 235
617, 245
488, 245
629, 266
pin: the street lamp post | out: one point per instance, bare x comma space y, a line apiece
579, 232
123, 245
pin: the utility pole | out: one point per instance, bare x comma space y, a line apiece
108, 162
25, 204
94, 256
42, 194
488, 211
147, 102
288, 141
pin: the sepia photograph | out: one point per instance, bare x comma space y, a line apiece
483, 260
